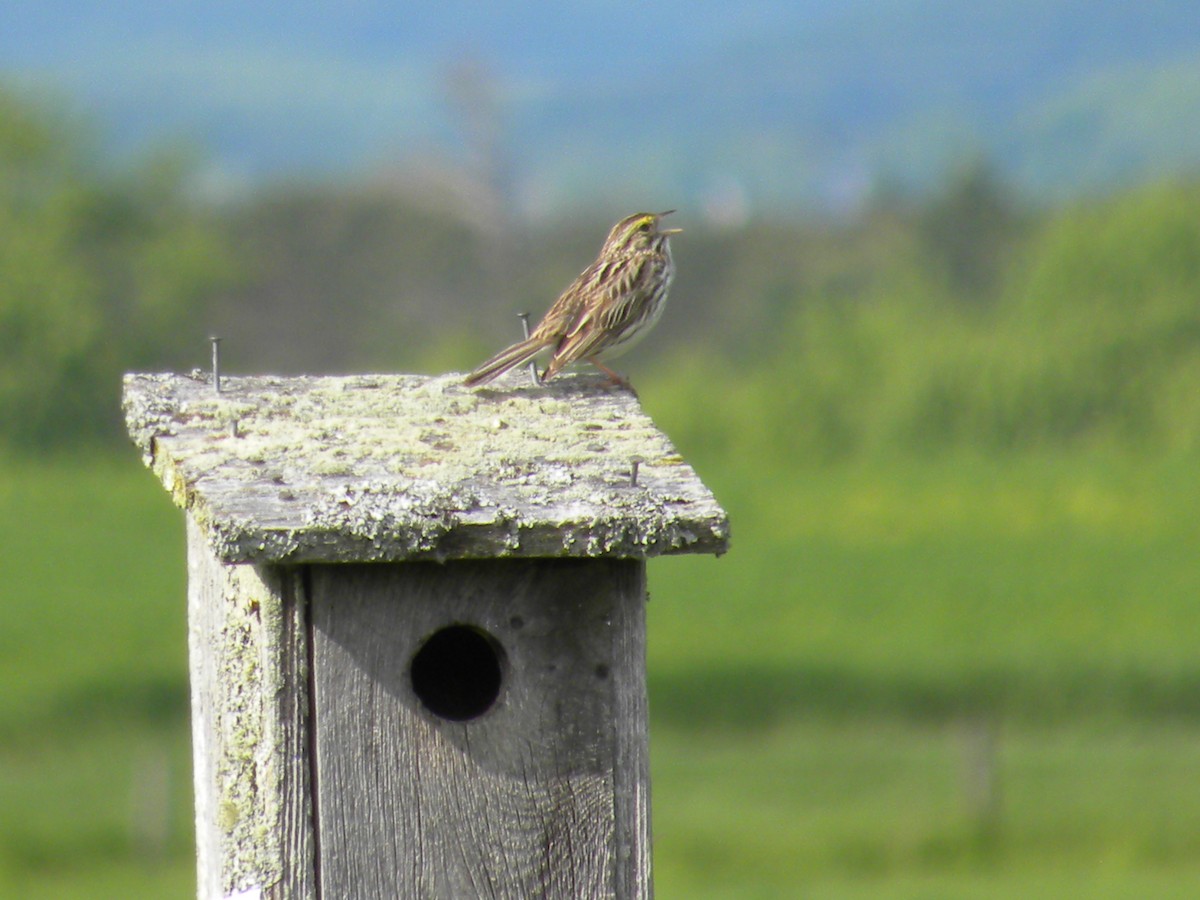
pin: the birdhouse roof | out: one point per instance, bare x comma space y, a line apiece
375, 468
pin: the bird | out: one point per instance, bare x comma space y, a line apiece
613, 303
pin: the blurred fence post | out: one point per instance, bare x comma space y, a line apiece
981, 776
464, 716
150, 800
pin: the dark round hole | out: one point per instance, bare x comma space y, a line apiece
456, 673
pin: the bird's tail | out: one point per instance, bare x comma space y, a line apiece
506, 359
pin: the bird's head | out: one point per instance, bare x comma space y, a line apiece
639, 232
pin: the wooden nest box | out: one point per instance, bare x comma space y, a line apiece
416, 628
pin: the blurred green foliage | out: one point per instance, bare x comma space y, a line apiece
95, 793
1082, 331
98, 271
959, 320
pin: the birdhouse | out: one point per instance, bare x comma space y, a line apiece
416, 628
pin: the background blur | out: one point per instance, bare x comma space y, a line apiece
934, 343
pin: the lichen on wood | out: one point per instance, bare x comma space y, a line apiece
369, 468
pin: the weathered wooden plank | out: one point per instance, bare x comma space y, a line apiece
247, 642
385, 468
521, 801
631, 770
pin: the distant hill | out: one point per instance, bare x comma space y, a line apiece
703, 103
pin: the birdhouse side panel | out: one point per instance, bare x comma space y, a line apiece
248, 658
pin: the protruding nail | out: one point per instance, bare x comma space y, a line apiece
633, 470
216, 363
533, 372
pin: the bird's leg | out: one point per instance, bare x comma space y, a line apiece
616, 379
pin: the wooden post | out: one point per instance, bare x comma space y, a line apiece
416, 629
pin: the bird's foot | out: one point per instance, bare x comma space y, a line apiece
617, 380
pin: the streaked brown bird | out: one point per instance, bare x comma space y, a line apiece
611, 305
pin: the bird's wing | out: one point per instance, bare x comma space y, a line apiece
611, 305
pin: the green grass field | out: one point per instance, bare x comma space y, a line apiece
816, 694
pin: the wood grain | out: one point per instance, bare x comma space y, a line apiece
631, 770
524, 801
247, 646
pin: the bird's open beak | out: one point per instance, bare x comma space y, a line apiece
668, 230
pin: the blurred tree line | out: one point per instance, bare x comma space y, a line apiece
962, 319
99, 270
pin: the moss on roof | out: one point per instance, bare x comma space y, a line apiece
368, 468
